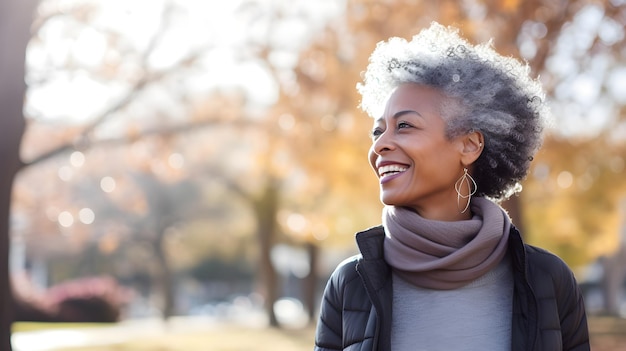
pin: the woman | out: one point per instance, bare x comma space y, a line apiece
455, 129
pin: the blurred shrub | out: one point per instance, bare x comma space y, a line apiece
92, 299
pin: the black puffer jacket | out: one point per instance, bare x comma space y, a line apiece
548, 309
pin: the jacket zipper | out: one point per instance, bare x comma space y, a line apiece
375, 302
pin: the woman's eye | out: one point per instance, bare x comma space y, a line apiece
403, 125
376, 133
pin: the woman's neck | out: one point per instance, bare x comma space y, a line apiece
443, 214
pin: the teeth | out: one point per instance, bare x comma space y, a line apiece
391, 168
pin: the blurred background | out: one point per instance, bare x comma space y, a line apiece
207, 159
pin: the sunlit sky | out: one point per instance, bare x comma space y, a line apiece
578, 105
221, 27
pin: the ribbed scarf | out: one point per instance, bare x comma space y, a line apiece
445, 255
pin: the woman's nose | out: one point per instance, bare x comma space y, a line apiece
384, 142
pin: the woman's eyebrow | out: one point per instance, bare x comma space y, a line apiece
399, 113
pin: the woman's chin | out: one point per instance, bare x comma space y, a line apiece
390, 200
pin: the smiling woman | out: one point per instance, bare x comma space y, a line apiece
456, 127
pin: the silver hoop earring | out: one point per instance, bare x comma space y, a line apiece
471, 186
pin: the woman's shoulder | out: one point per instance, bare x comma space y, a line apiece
541, 257
535, 260
346, 269
343, 278
543, 265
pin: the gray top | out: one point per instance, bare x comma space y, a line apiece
476, 316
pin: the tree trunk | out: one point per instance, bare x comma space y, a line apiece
265, 209
165, 278
269, 278
15, 22
613, 281
6, 296
309, 285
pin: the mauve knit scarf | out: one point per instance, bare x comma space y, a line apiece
445, 255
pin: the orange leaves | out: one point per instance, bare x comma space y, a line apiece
508, 5
572, 198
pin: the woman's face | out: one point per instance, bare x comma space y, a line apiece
416, 164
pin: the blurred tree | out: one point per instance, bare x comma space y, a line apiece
574, 194
161, 214
120, 201
15, 20
166, 205
574, 200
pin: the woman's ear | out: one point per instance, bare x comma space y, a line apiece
473, 144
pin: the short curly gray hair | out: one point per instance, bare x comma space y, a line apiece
494, 95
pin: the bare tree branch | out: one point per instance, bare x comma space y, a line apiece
85, 139
141, 83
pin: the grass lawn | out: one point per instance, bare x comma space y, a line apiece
37, 326
216, 338
225, 339
606, 334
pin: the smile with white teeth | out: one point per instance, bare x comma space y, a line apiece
390, 170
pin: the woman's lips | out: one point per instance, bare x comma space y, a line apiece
390, 171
